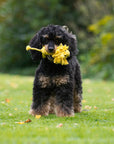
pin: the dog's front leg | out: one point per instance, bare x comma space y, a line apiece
64, 101
40, 105
78, 90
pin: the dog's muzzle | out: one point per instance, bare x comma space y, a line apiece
51, 46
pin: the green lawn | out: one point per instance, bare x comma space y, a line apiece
93, 126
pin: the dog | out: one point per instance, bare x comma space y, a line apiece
57, 88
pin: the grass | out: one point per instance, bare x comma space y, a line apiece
89, 127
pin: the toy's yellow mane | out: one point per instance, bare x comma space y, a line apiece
59, 56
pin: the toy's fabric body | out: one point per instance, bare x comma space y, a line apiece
60, 55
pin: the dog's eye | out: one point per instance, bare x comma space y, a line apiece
58, 40
45, 40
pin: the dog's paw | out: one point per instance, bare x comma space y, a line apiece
37, 112
78, 108
61, 112
32, 112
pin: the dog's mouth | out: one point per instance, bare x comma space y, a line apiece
51, 51
50, 58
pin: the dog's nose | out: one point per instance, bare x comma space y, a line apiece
50, 49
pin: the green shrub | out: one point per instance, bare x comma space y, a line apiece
102, 52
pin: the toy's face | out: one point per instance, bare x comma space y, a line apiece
51, 37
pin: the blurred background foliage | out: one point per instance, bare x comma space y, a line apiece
91, 20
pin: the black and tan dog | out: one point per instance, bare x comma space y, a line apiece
57, 88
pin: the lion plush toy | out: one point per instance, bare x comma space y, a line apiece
60, 55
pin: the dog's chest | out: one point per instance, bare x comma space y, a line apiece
47, 81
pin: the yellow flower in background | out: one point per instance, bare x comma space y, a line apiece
106, 37
104, 20
96, 28
93, 28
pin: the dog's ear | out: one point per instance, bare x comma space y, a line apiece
73, 45
72, 41
36, 42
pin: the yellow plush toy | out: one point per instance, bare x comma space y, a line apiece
59, 56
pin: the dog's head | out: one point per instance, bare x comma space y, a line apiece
51, 37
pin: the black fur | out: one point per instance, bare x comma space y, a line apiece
48, 76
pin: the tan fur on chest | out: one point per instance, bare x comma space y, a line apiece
59, 80
46, 81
